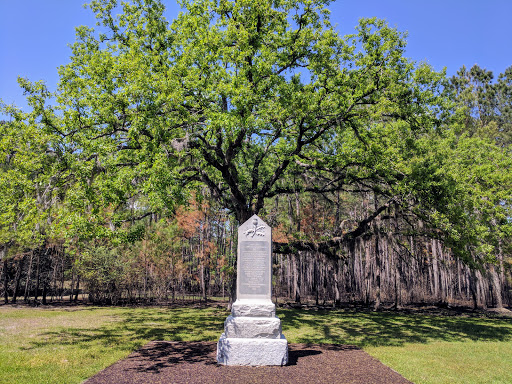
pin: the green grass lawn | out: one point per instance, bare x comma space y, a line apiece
423, 348
70, 344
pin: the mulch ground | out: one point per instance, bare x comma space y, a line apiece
163, 362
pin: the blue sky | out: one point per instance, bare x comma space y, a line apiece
34, 34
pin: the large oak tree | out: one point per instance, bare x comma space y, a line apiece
240, 96
252, 100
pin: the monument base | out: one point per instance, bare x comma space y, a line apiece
242, 351
252, 327
253, 308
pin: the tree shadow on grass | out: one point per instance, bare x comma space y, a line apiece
390, 329
129, 330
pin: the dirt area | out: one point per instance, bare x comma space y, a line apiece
194, 362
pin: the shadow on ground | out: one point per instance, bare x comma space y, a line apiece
194, 362
130, 329
365, 328
165, 354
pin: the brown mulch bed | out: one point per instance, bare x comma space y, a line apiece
163, 362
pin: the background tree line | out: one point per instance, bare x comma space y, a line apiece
384, 181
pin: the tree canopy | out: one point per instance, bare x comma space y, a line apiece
238, 96
249, 101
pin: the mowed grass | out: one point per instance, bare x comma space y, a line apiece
70, 344
423, 348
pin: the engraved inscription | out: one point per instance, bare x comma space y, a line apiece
254, 268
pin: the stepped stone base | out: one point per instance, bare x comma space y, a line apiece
252, 327
245, 351
253, 308
252, 335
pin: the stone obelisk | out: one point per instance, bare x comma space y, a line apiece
252, 333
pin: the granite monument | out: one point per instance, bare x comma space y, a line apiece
252, 333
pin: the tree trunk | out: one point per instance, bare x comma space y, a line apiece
234, 253
368, 279
397, 287
496, 287
6, 279
77, 288
435, 272
202, 274
17, 279
289, 276
45, 291
473, 288
376, 306
29, 277
337, 296
38, 270
71, 287
296, 278
62, 277
316, 283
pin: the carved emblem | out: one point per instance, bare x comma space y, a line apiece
255, 230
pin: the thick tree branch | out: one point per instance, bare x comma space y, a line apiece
329, 248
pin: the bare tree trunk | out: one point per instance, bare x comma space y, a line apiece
337, 296
54, 281
29, 277
38, 269
477, 290
77, 289
496, 287
296, 278
289, 275
234, 251
146, 277
297, 211
17, 279
481, 290
45, 291
6, 280
62, 277
473, 288
45, 274
316, 283
397, 287
435, 272
173, 283
376, 306
368, 271
202, 273
72, 287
